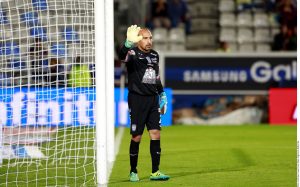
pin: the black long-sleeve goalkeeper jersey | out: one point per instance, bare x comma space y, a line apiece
143, 71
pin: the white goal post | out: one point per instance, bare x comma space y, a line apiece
56, 92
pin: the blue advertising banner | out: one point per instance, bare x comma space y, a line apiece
230, 72
59, 107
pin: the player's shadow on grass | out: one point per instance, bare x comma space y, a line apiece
183, 174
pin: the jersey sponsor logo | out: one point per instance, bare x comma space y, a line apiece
149, 76
153, 54
154, 60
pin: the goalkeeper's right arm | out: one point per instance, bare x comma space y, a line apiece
132, 38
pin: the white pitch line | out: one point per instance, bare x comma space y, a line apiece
117, 148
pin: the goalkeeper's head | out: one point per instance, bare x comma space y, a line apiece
145, 44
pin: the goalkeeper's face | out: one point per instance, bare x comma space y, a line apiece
146, 43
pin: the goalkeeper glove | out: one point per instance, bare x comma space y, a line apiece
133, 36
163, 103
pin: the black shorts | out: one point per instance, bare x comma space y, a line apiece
143, 110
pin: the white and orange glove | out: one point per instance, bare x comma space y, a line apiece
133, 36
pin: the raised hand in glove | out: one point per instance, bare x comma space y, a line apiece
133, 36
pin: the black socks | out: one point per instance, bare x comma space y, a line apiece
155, 154
134, 153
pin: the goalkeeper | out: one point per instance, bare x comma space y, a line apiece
146, 98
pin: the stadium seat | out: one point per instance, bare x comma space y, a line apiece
13, 17
177, 35
244, 35
23, 4
85, 35
260, 20
55, 5
160, 39
5, 79
74, 50
3, 17
58, 50
30, 18
206, 8
160, 35
88, 50
54, 34
69, 34
84, 5
227, 35
244, 19
262, 35
226, 6
39, 32
232, 46
16, 64
9, 48
177, 39
201, 41
246, 47
57, 20
44, 17
21, 34
227, 20
263, 47
39, 4
193, 11
5, 5
24, 49
6, 32
204, 24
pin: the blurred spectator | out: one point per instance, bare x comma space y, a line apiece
80, 75
159, 14
287, 13
243, 5
178, 12
223, 47
292, 45
282, 40
56, 76
38, 55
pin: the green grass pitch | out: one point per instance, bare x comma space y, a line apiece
216, 156
209, 156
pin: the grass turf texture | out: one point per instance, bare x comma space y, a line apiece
71, 163
233, 156
192, 155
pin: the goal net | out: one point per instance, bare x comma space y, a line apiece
47, 93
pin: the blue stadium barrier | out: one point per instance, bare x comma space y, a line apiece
9, 48
39, 32
60, 106
17, 64
3, 17
69, 34
39, 4
58, 50
30, 18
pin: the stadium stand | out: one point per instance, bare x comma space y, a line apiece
52, 21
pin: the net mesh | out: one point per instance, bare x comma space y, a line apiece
47, 93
